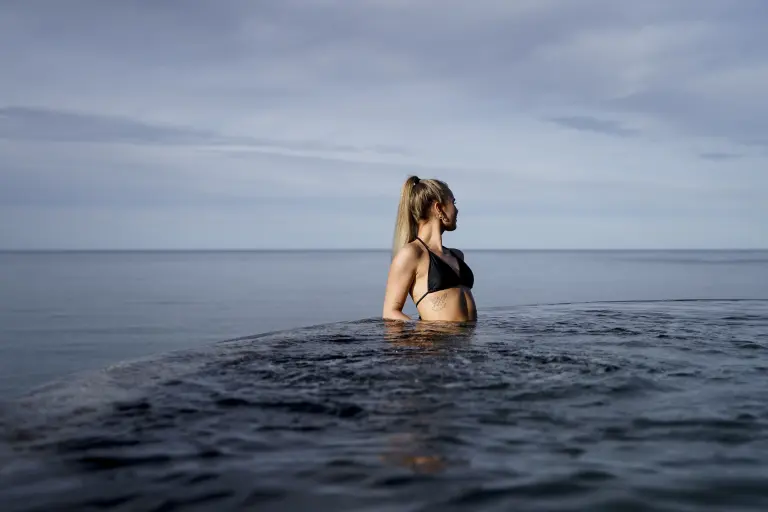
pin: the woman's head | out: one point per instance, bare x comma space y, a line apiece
423, 201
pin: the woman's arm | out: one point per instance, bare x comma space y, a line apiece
402, 272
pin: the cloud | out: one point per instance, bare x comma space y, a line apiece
719, 157
592, 124
40, 124
535, 111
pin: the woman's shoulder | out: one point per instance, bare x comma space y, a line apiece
457, 252
408, 254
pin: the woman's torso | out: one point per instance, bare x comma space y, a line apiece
442, 288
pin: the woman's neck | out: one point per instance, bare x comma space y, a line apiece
431, 233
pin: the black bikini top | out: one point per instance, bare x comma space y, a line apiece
442, 276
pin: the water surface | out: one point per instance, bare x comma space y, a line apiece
65, 312
647, 405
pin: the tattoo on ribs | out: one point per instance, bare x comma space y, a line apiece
439, 302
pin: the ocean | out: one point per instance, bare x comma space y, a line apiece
593, 380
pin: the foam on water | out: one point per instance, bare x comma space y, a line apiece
597, 406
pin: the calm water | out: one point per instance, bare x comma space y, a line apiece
67, 312
635, 400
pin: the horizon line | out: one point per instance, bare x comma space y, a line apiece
374, 249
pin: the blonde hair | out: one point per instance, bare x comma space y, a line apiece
416, 198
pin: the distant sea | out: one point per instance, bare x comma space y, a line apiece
64, 312
593, 380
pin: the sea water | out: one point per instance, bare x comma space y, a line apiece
592, 381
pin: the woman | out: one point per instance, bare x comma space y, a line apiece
437, 278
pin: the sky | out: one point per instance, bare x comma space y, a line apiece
558, 124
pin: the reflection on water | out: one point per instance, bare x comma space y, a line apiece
437, 335
640, 406
411, 451
420, 447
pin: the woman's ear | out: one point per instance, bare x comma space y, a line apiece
439, 212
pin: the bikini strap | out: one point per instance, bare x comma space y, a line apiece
422, 243
430, 257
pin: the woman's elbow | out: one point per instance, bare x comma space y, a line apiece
394, 314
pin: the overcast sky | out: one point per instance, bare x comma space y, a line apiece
293, 123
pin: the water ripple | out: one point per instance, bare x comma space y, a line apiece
597, 406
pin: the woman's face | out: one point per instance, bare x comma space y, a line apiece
451, 212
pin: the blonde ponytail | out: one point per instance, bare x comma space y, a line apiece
416, 197
405, 225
